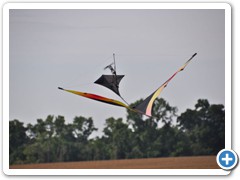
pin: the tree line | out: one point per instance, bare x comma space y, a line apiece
198, 131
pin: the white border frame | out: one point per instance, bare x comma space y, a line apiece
5, 36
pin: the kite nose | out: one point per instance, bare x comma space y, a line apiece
60, 88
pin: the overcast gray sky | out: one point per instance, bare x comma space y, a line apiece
70, 48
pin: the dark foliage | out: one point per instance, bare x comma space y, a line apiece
199, 131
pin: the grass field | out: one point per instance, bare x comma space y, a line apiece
197, 162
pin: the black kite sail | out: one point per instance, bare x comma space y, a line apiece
111, 81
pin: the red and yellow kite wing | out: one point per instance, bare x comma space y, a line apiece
97, 98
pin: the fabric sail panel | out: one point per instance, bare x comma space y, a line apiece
110, 81
97, 98
146, 105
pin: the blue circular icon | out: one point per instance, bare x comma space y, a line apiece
227, 159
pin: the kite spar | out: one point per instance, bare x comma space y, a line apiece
145, 107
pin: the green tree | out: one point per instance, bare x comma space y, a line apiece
148, 138
205, 126
117, 135
83, 128
41, 147
52, 140
17, 141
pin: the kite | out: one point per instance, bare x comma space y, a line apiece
112, 82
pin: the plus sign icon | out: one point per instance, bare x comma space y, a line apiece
227, 159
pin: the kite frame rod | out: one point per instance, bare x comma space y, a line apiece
114, 63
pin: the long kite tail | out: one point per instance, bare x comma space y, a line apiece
97, 98
146, 106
